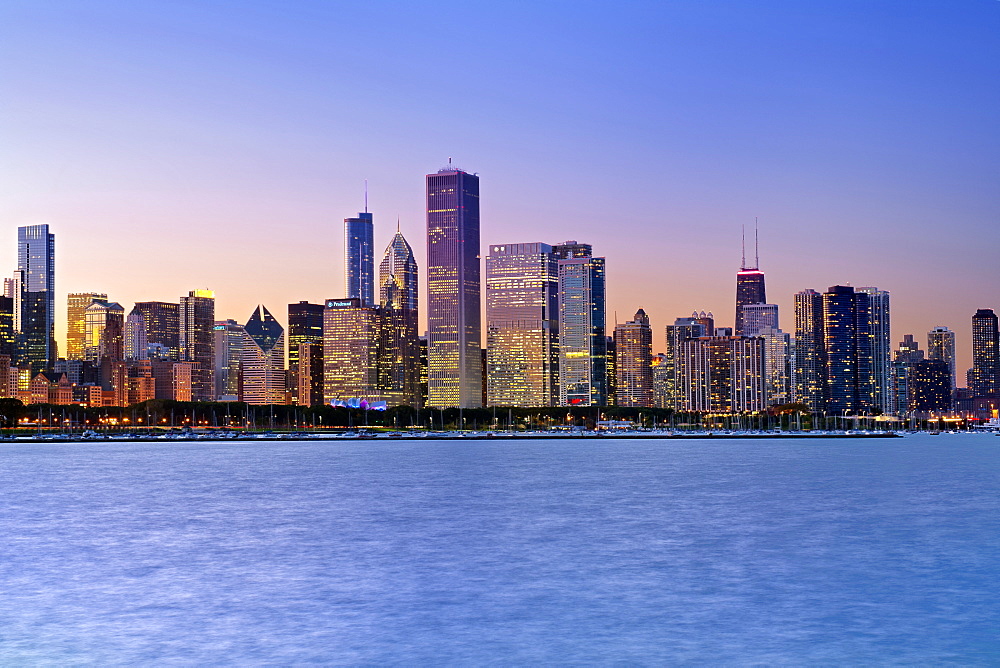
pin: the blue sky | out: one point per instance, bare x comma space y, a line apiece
180, 145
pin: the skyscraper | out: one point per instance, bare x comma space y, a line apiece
36, 269
907, 354
399, 354
878, 313
583, 343
522, 325
721, 374
941, 346
305, 326
454, 346
351, 335
757, 317
634, 362
161, 327
359, 261
749, 286
847, 342
197, 341
929, 387
104, 328
76, 307
984, 377
230, 339
262, 360
810, 359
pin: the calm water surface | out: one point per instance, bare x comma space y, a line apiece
511, 553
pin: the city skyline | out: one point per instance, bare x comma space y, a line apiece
869, 160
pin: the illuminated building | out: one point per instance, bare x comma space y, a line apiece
196, 340
779, 365
351, 335
522, 325
693, 327
757, 317
399, 354
305, 325
810, 361
881, 359
907, 354
262, 360
8, 340
929, 387
749, 288
310, 373
161, 329
941, 346
12, 288
359, 260
104, 328
984, 377
634, 362
76, 307
662, 381
583, 343
229, 339
172, 380
850, 379
722, 374
454, 345
141, 386
36, 270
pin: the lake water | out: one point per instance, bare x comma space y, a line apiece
603, 552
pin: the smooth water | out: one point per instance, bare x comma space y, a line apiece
716, 552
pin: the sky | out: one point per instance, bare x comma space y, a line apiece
184, 145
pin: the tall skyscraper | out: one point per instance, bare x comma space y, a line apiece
984, 377
779, 365
76, 307
351, 334
810, 360
757, 317
305, 326
161, 328
878, 305
197, 341
683, 329
847, 341
359, 261
941, 346
230, 339
583, 342
634, 362
8, 342
522, 325
454, 352
262, 361
36, 268
749, 286
399, 354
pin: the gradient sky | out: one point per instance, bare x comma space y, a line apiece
180, 145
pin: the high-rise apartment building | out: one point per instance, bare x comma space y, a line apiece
810, 360
722, 374
634, 362
878, 313
757, 317
196, 339
683, 328
76, 307
583, 342
8, 340
305, 326
262, 361
929, 385
351, 333
779, 365
941, 346
229, 339
984, 377
906, 355
359, 260
522, 325
399, 354
454, 353
36, 272
850, 379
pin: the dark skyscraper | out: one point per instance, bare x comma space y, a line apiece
749, 287
454, 352
850, 378
197, 341
984, 377
399, 350
161, 325
583, 344
305, 325
929, 384
359, 258
36, 269
810, 359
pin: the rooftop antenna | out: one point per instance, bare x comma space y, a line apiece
397, 224
756, 250
366, 195
743, 232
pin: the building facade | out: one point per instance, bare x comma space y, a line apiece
634, 362
399, 354
305, 326
359, 260
196, 339
229, 341
262, 360
76, 307
941, 346
984, 377
36, 274
351, 334
881, 348
583, 341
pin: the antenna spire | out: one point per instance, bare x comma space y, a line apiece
366, 195
756, 248
397, 224
743, 232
